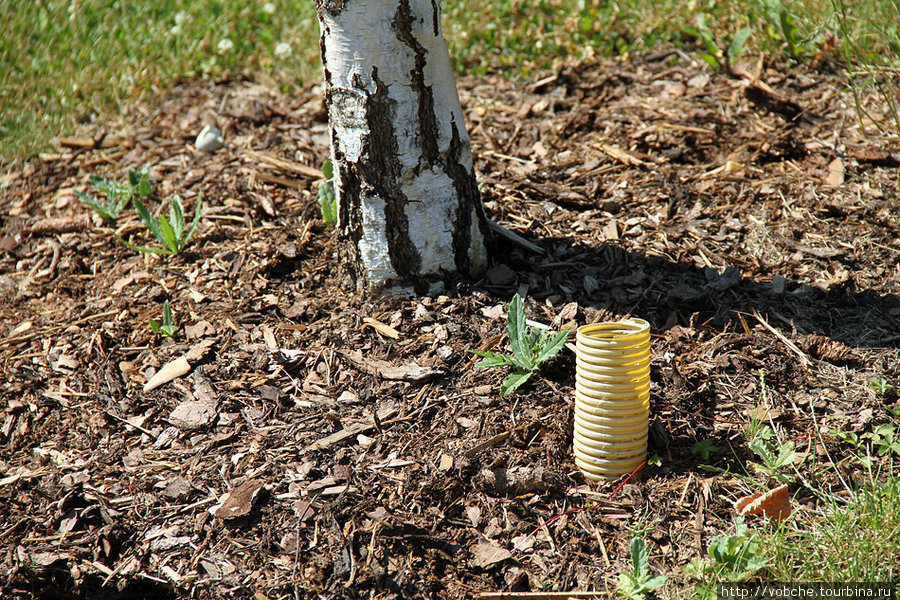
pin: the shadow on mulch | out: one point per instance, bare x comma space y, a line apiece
673, 294
59, 585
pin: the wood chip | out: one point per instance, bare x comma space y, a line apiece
240, 500
382, 328
835, 177
171, 370
410, 371
349, 432
283, 164
59, 225
620, 155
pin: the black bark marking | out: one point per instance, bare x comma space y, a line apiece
428, 135
436, 17
381, 169
334, 7
468, 201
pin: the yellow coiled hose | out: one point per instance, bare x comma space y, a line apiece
612, 397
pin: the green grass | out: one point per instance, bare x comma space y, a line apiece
855, 540
63, 62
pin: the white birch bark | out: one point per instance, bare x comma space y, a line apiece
409, 212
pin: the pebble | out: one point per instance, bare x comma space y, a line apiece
209, 139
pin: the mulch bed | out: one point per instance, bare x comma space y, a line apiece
310, 452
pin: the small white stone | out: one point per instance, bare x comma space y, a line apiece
282, 50
225, 46
209, 139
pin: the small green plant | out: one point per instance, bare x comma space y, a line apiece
713, 55
732, 558
774, 453
883, 441
168, 327
881, 385
886, 440
531, 348
168, 232
327, 199
705, 448
117, 195
636, 583
766, 442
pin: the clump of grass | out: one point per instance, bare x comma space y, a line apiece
50, 50
850, 539
870, 35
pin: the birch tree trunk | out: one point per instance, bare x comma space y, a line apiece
409, 211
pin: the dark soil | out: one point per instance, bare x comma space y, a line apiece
754, 225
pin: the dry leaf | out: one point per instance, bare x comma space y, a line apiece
411, 371
773, 504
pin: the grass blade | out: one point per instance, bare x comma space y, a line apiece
169, 234
738, 44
